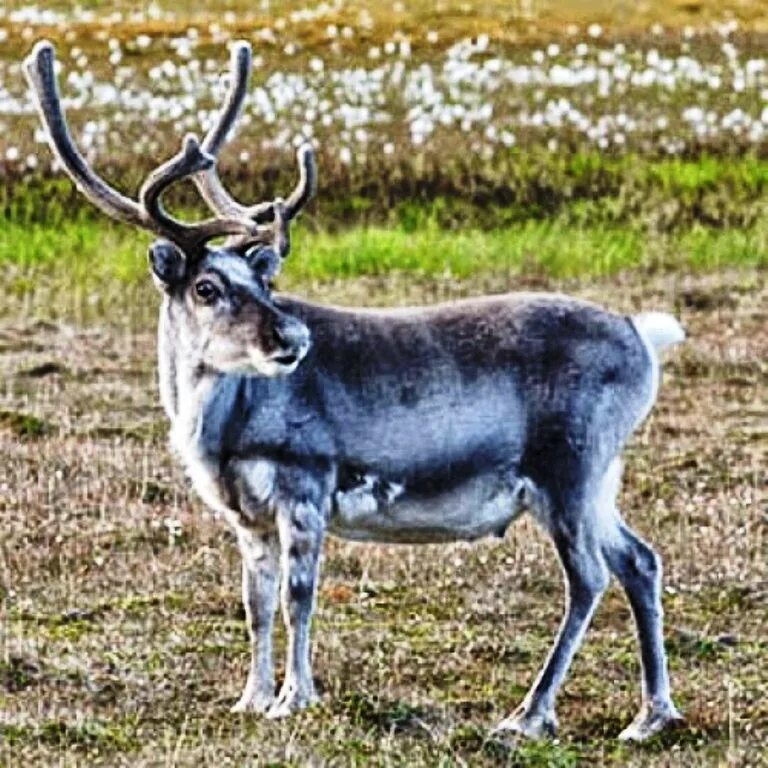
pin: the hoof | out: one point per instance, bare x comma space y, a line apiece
291, 700
650, 720
532, 725
258, 702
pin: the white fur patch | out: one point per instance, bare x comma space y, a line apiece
659, 328
376, 510
606, 513
204, 480
361, 501
229, 357
259, 476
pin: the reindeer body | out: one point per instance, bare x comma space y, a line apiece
410, 425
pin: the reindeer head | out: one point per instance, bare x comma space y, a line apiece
220, 297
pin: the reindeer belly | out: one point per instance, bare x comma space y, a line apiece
374, 509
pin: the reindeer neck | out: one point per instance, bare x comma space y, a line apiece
183, 381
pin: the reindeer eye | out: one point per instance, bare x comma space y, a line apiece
206, 291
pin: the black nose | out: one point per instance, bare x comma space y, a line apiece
291, 335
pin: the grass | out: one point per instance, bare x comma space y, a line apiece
457, 11
122, 639
124, 644
121, 644
583, 188
87, 269
550, 249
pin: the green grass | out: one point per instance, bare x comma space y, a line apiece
88, 255
541, 217
578, 186
554, 249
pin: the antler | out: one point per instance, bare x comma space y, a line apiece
277, 212
148, 211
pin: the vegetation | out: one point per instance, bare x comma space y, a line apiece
123, 640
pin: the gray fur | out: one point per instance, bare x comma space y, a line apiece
415, 425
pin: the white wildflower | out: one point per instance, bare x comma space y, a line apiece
507, 138
173, 526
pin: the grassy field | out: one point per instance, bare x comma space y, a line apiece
123, 639
502, 111
464, 148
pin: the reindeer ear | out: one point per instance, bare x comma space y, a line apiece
168, 264
263, 260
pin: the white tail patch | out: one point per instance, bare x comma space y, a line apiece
659, 329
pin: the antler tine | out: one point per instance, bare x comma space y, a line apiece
307, 184
240, 70
38, 68
209, 184
147, 213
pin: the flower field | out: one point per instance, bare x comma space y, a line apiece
409, 102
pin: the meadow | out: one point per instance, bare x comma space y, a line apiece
463, 148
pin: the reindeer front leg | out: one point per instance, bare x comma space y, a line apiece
301, 528
261, 575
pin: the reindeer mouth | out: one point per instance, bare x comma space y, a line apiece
286, 359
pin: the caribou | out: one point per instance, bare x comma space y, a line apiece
295, 420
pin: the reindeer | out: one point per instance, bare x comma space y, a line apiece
412, 425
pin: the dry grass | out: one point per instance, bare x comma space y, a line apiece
122, 639
513, 20
124, 644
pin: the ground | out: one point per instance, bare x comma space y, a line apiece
616, 151
123, 636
